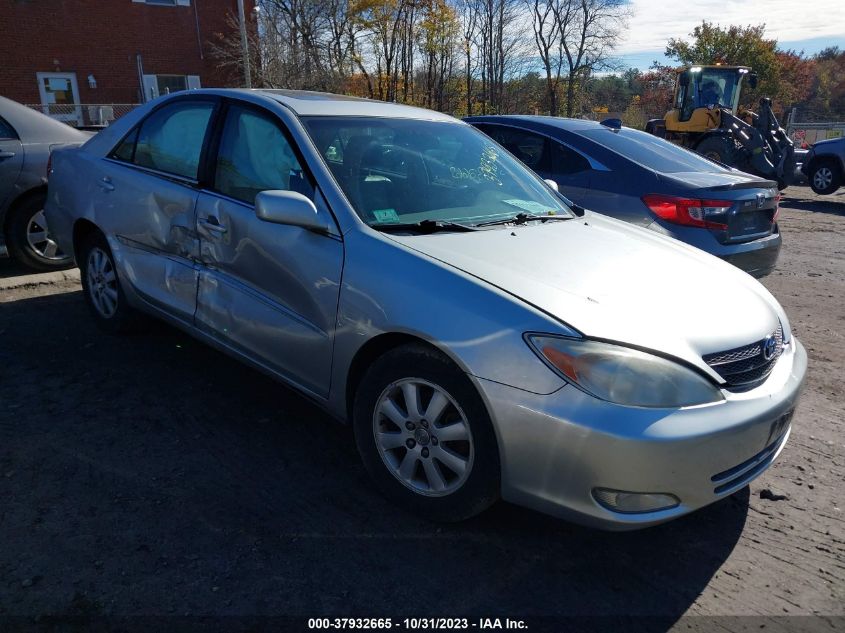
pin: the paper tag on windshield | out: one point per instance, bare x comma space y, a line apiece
385, 215
530, 206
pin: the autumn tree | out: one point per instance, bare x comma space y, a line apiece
439, 34
733, 46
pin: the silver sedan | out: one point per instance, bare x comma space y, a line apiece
484, 338
26, 139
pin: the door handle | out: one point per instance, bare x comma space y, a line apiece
5, 155
105, 184
213, 224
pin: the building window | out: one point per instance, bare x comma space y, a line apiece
171, 83
166, 3
160, 85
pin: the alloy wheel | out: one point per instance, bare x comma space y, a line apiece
423, 437
102, 282
823, 177
39, 239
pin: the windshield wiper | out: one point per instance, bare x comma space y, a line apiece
424, 226
522, 218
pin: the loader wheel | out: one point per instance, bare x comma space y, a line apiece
718, 148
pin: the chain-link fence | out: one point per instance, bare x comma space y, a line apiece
85, 115
804, 128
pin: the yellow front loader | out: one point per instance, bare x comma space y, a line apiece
705, 117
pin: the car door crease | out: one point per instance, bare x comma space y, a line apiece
278, 307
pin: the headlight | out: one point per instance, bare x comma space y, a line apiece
624, 375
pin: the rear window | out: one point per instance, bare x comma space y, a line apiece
650, 151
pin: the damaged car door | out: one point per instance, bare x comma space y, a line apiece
149, 185
267, 290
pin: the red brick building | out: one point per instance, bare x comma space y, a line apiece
61, 53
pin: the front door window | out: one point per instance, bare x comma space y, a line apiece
60, 96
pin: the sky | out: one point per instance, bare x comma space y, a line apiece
810, 25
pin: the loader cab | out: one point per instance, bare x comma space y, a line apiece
710, 87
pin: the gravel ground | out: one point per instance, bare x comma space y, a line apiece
151, 475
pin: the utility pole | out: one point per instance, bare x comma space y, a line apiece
244, 45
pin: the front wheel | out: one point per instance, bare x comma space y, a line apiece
30, 241
825, 178
424, 435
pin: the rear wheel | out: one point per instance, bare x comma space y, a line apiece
102, 289
825, 177
29, 239
424, 435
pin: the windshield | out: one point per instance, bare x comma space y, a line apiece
715, 86
651, 151
408, 171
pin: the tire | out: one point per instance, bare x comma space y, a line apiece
825, 177
29, 239
102, 289
437, 478
719, 148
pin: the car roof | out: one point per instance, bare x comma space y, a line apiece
311, 103
568, 125
34, 127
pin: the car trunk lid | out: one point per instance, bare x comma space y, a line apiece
753, 203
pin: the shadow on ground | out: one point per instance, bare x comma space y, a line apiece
806, 200
10, 268
153, 475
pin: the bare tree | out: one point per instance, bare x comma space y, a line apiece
548, 35
589, 34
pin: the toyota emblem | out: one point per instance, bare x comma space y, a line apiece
770, 347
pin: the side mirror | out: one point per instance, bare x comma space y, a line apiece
289, 207
683, 79
752, 80
551, 183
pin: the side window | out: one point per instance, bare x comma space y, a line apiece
493, 131
6, 130
126, 150
567, 161
256, 155
531, 149
169, 140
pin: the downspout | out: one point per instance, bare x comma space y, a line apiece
197, 20
140, 65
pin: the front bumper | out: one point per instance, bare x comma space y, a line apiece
555, 449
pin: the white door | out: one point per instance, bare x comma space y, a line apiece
60, 96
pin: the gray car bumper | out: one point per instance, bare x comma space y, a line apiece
555, 449
757, 257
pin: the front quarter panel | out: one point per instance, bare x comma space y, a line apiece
388, 288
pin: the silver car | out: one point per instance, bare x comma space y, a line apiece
26, 139
412, 277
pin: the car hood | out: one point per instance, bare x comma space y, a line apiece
614, 281
829, 144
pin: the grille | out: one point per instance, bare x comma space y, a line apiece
746, 366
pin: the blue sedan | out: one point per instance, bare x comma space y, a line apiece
645, 180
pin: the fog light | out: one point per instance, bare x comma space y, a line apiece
633, 502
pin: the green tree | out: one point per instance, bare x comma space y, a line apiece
732, 46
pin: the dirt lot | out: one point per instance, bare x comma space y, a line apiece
153, 476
